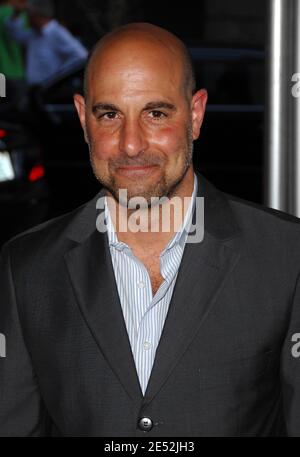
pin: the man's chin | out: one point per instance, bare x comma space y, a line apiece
143, 198
139, 187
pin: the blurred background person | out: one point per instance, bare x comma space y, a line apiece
49, 46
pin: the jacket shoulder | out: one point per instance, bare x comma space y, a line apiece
255, 211
267, 231
57, 232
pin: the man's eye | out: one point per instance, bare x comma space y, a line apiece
157, 114
109, 115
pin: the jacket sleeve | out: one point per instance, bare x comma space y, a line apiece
290, 368
22, 412
69, 47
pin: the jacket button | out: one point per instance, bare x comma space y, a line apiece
145, 424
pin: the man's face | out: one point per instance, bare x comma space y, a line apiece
138, 120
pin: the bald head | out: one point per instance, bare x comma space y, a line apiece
144, 38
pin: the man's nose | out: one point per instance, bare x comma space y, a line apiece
132, 138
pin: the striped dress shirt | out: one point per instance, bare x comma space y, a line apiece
145, 315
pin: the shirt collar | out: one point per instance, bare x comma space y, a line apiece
178, 239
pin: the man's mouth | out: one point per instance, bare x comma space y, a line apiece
136, 169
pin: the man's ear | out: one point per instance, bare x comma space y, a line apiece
198, 109
80, 108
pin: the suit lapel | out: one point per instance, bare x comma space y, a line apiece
204, 269
91, 273
202, 274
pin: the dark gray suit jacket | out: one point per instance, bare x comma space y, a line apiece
224, 365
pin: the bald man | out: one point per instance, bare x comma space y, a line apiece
140, 314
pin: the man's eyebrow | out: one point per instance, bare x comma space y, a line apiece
160, 105
104, 107
149, 106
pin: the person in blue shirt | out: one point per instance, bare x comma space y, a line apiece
49, 46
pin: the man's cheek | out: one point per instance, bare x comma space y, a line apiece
168, 139
104, 147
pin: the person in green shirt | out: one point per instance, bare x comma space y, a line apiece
11, 54
12, 61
